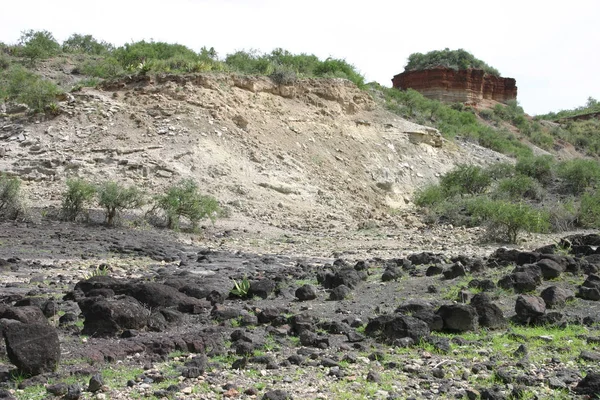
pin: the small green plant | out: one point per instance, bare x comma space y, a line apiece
589, 210
540, 167
506, 219
20, 85
116, 198
465, 179
184, 200
579, 175
79, 193
518, 187
429, 196
241, 288
11, 205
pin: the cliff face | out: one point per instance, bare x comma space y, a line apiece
465, 86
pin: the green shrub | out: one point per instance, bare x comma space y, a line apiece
589, 210
87, 44
116, 198
103, 67
563, 215
429, 196
500, 170
465, 179
23, 86
79, 192
184, 200
455, 59
11, 204
38, 45
518, 187
579, 175
506, 219
540, 167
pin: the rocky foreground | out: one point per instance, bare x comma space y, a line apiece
90, 312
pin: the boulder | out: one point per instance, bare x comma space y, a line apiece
528, 308
262, 288
490, 315
397, 326
590, 385
455, 271
340, 292
550, 269
306, 292
25, 314
555, 296
107, 317
590, 288
458, 317
33, 348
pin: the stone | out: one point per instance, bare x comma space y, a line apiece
108, 317
25, 314
458, 317
550, 269
490, 315
590, 288
339, 292
306, 292
33, 348
391, 274
96, 383
529, 307
262, 288
555, 296
397, 326
277, 394
455, 271
434, 270
590, 385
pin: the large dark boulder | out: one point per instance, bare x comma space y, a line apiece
156, 295
490, 315
529, 308
550, 269
107, 317
590, 288
458, 317
426, 258
262, 288
397, 326
25, 314
306, 292
455, 270
590, 385
555, 296
33, 348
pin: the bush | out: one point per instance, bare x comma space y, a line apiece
22, 86
589, 210
506, 219
500, 170
184, 200
465, 179
519, 187
429, 196
455, 59
38, 45
579, 175
79, 192
104, 67
116, 198
87, 44
10, 197
540, 167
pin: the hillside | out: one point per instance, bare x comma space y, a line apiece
321, 152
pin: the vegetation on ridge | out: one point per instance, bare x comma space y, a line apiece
455, 59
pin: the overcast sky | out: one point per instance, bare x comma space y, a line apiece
551, 48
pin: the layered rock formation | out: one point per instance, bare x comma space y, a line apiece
451, 86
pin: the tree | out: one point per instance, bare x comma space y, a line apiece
116, 198
184, 200
77, 43
38, 45
79, 192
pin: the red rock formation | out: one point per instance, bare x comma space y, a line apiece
465, 86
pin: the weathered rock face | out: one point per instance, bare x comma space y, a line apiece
464, 86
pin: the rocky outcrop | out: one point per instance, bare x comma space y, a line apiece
451, 86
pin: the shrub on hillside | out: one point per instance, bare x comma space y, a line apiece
517, 188
465, 179
455, 59
500, 170
579, 175
116, 198
589, 210
38, 45
79, 193
184, 200
23, 86
540, 167
11, 204
429, 196
506, 219
87, 44
102, 67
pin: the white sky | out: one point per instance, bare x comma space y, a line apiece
551, 48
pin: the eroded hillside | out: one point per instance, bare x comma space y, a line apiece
318, 153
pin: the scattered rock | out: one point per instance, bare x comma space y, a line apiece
33, 348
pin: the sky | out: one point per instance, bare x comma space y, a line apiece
551, 48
